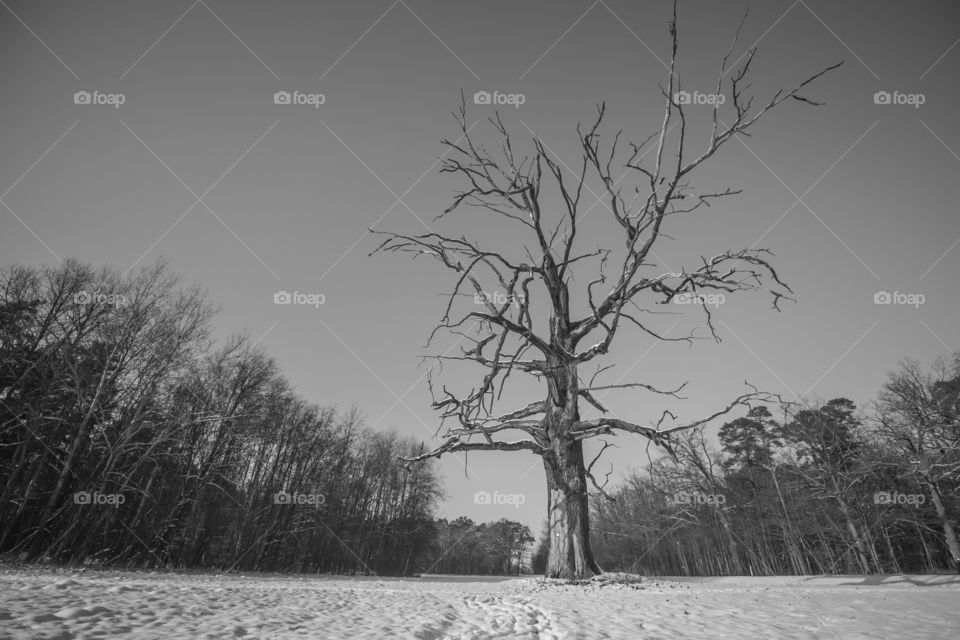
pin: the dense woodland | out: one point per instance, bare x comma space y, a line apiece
111, 386
128, 437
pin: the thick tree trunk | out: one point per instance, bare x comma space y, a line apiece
571, 556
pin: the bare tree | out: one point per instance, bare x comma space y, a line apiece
536, 325
828, 446
691, 451
914, 417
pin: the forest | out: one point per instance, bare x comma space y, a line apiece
129, 437
111, 390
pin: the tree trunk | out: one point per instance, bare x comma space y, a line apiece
858, 543
37, 544
735, 565
948, 533
790, 534
568, 513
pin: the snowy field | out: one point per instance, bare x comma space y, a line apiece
47, 603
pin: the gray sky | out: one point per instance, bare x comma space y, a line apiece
854, 197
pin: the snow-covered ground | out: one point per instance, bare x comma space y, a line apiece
45, 603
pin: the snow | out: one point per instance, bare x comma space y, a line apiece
51, 603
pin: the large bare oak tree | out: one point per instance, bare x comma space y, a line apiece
540, 323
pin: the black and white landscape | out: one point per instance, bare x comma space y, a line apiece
420, 319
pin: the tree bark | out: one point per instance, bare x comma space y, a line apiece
571, 556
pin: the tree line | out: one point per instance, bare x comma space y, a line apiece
819, 488
129, 437
464, 547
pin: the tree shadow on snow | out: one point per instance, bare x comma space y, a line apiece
899, 578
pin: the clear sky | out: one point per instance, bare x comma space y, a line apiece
248, 197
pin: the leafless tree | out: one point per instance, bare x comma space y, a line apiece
540, 324
916, 417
